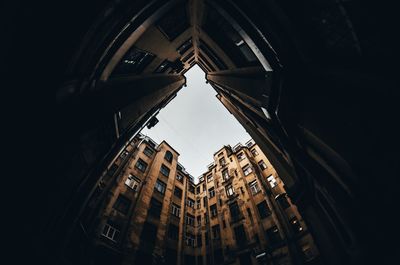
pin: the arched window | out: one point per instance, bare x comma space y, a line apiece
168, 156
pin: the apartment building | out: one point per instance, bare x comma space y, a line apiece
237, 212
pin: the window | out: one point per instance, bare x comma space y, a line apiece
164, 170
141, 165
225, 174
262, 165
273, 236
198, 219
282, 201
209, 178
211, 192
199, 242
263, 209
189, 219
240, 235
254, 187
240, 156
148, 151
185, 46
123, 154
222, 161
272, 181
198, 204
254, 152
216, 231
235, 211
197, 189
223, 224
229, 190
160, 186
247, 170
189, 239
296, 226
206, 218
178, 192
190, 202
176, 210
122, 204
155, 207
173, 232
132, 182
111, 231
134, 61
191, 188
250, 214
205, 201
213, 210
168, 156
179, 177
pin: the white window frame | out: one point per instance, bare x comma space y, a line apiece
110, 232
176, 210
133, 182
190, 203
272, 181
247, 170
230, 191
189, 220
225, 176
254, 187
241, 156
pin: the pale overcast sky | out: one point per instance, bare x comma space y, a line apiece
196, 124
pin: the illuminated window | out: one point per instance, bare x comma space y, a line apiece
254, 152
262, 165
247, 170
229, 190
272, 181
